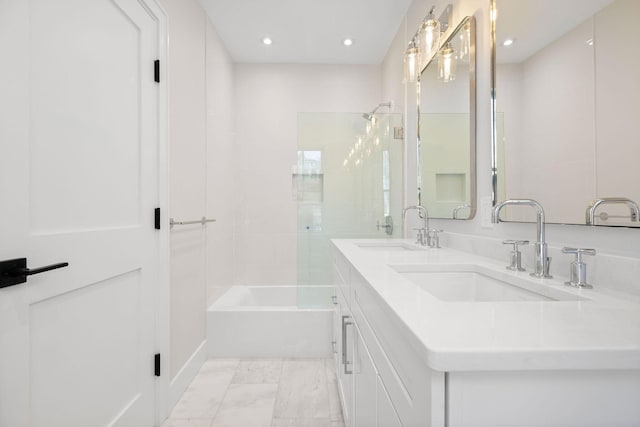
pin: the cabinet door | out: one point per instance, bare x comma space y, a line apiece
344, 329
387, 416
365, 381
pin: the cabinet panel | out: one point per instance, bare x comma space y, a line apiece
365, 381
341, 271
544, 398
343, 332
387, 416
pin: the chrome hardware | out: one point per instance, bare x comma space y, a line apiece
388, 225
458, 208
334, 299
333, 345
423, 236
578, 272
345, 361
434, 238
634, 211
516, 255
543, 262
201, 221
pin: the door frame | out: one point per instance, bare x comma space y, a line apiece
162, 288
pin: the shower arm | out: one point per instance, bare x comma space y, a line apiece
389, 105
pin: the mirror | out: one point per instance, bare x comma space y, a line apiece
568, 103
446, 127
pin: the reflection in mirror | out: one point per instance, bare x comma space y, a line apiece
568, 103
446, 128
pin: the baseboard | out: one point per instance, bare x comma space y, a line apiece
186, 374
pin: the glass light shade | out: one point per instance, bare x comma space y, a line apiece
411, 63
447, 64
465, 45
429, 39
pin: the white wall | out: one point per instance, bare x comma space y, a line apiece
618, 258
201, 150
187, 154
220, 167
268, 99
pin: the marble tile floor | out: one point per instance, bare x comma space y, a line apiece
260, 392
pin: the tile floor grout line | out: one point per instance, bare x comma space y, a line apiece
273, 415
226, 390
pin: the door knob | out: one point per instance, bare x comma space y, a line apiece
15, 271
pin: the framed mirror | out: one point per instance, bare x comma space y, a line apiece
447, 127
567, 109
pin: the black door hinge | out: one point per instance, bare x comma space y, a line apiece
156, 365
156, 218
156, 70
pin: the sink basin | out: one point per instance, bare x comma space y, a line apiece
475, 283
388, 246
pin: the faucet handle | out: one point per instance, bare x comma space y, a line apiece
434, 238
516, 255
578, 252
515, 243
420, 236
578, 269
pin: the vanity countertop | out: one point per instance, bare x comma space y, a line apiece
601, 331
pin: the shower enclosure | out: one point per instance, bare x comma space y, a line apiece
348, 183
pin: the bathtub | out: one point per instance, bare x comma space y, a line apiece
266, 322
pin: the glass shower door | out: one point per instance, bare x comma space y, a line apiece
348, 183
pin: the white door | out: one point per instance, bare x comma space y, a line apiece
78, 184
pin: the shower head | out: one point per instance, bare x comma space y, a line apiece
369, 116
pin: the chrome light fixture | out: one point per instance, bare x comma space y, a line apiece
425, 43
447, 63
429, 37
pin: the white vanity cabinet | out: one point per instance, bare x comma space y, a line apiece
382, 382
579, 367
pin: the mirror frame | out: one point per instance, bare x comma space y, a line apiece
473, 179
494, 129
493, 109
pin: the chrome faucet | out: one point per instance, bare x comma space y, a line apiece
424, 238
542, 260
456, 209
633, 208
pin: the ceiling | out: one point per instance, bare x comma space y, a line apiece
307, 31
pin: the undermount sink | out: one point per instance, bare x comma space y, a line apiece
388, 246
479, 284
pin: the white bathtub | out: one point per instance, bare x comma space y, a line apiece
265, 321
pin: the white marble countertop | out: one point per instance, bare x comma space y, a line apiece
601, 331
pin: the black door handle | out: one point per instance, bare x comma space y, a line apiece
15, 271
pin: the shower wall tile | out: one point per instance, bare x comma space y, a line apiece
269, 97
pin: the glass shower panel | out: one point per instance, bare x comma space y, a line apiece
348, 183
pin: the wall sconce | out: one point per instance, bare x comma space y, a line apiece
447, 64
425, 43
412, 62
429, 37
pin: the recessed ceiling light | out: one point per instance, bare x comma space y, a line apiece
508, 42
267, 41
347, 42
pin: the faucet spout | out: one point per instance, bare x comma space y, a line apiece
634, 211
425, 226
542, 260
